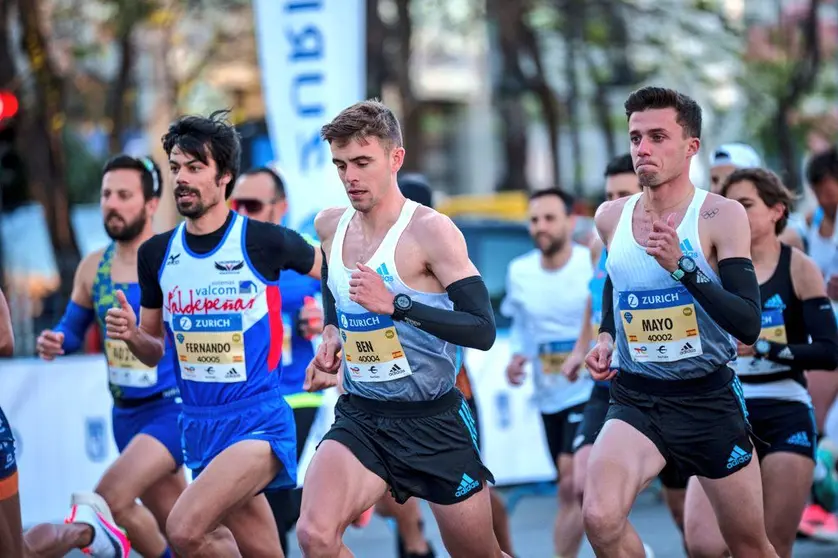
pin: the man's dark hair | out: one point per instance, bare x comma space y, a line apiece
201, 137
770, 189
362, 120
150, 176
621, 164
822, 166
688, 111
279, 184
566, 198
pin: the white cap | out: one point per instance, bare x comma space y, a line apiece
740, 155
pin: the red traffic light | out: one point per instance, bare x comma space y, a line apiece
8, 105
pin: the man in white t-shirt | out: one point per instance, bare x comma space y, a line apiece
546, 298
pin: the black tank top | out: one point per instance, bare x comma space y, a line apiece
777, 294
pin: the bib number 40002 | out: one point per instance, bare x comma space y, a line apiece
661, 337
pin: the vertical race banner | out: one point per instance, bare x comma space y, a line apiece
312, 58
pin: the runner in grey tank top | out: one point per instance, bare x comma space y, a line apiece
400, 296
386, 359
680, 283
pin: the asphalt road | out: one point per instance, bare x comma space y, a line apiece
532, 520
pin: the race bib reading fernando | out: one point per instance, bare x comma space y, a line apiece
371, 348
553, 355
124, 369
210, 347
660, 325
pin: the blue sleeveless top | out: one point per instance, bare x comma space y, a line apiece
128, 378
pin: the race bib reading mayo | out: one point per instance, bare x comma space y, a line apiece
287, 324
371, 348
124, 369
773, 329
553, 355
660, 325
210, 347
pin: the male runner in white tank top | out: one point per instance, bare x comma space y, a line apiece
680, 287
546, 297
400, 298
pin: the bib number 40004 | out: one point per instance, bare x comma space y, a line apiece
369, 358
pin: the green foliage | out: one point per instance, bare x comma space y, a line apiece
84, 170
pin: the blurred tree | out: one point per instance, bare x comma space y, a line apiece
785, 71
42, 130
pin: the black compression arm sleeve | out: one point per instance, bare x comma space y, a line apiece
470, 324
822, 352
735, 304
606, 324
330, 313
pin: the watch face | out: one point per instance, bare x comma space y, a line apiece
687, 264
762, 346
402, 301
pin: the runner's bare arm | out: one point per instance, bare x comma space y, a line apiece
735, 304
7, 336
472, 322
606, 218
68, 336
145, 336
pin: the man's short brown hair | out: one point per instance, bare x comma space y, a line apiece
362, 120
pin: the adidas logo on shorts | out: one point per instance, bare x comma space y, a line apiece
737, 457
467, 484
799, 439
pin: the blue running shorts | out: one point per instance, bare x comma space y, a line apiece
158, 419
207, 431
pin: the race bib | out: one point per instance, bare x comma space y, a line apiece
660, 325
287, 333
371, 348
773, 329
210, 347
553, 355
126, 370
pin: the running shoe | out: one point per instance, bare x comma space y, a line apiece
108, 540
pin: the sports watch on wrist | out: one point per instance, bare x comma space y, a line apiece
762, 347
685, 265
401, 306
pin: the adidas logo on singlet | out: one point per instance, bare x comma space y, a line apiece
687, 249
775, 302
687, 348
799, 439
385, 273
396, 369
737, 457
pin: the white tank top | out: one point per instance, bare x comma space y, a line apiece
383, 359
661, 331
551, 305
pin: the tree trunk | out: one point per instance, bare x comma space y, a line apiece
44, 152
572, 104
411, 118
547, 99
120, 88
802, 81
377, 70
508, 89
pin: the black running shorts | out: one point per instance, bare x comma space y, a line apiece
594, 417
426, 449
560, 430
784, 426
700, 425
